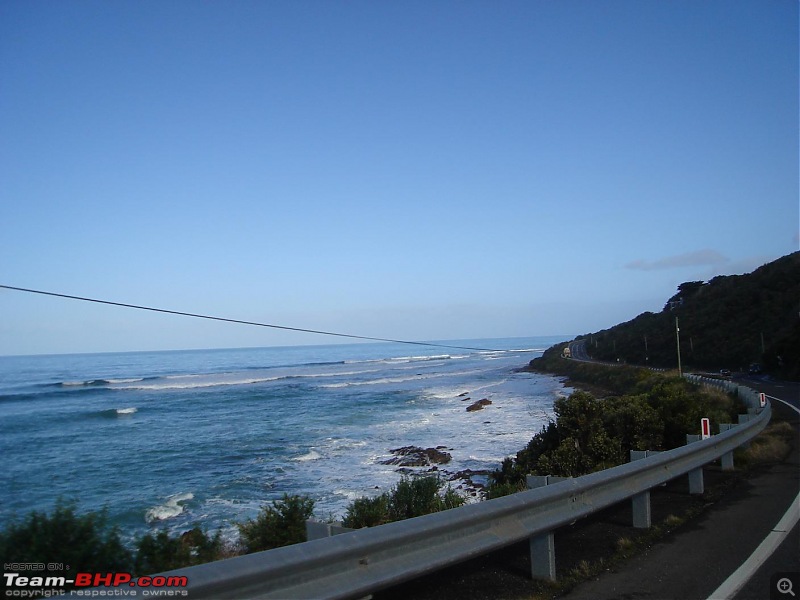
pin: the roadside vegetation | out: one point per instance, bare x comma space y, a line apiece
411, 497
86, 542
590, 434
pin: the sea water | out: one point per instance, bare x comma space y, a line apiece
169, 440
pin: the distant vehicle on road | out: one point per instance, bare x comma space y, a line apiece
755, 369
725, 372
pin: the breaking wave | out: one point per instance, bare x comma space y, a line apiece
171, 508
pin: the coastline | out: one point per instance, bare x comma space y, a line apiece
603, 556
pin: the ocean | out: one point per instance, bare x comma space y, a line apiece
170, 440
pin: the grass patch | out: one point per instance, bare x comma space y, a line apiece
625, 545
769, 447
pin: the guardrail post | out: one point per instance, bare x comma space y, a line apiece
640, 503
543, 557
542, 547
726, 460
316, 530
696, 485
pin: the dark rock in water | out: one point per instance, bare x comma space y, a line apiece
414, 456
478, 405
463, 394
467, 399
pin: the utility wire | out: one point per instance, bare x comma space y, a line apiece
212, 318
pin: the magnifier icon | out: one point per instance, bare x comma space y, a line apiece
784, 586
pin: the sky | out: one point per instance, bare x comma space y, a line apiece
414, 170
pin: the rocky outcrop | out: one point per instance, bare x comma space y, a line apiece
478, 405
414, 456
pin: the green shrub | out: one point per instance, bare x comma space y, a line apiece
589, 434
367, 512
498, 490
282, 524
161, 552
411, 497
83, 542
634, 422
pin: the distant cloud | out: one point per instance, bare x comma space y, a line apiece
698, 258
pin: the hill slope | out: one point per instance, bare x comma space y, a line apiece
728, 322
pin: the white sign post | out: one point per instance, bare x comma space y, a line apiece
705, 428
762, 399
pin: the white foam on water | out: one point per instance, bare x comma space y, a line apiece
171, 508
311, 455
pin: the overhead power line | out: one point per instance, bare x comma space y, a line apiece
242, 322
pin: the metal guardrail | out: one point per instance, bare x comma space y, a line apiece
355, 564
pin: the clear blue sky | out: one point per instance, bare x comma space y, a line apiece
419, 170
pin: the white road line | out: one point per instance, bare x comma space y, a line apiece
731, 586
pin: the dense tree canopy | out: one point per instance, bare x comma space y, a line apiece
729, 322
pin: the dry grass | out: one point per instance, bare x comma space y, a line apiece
585, 570
625, 544
672, 522
782, 429
766, 450
771, 446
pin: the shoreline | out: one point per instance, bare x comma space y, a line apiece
603, 556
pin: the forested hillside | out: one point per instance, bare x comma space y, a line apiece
729, 322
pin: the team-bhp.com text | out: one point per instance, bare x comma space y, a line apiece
95, 585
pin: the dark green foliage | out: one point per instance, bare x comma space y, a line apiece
584, 443
367, 512
414, 497
685, 291
589, 434
634, 423
497, 490
681, 405
617, 380
411, 497
729, 322
161, 552
83, 542
282, 524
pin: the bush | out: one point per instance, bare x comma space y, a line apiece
408, 499
160, 552
367, 512
413, 498
590, 434
498, 490
634, 422
282, 524
83, 542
